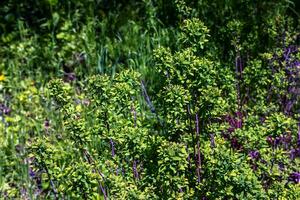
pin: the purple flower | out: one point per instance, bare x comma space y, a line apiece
239, 124
270, 140
23, 193
239, 114
295, 177
180, 190
84, 102
296, 63
4, 109
123, 171
31, 173
298, 139
262, 119
235, 144
281, 166
112, 147
231, 130
77, 101
47, 124
277, 141
294, 153
254, 155
226, 135
37, 192
254, 166
135, 171
233, 122
289, 105
70, 76
18, 148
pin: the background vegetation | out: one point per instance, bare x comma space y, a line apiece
149, 99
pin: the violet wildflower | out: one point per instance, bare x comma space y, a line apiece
296, 63
234, 123
231, 130
262, 119
47, 124
295, 177
254, 167
226, 135
239, 124
112, 147
77, 101
288, 107
270, 140
4, 109
298, 139
135, 172
123, 171
281, 166
18, 148
295, 153
254, 155
239, 114
37, 192
277, 141
180, 190
286, 140
31, 173
263, 161
69, 77
236, 144
84, 102
23, 193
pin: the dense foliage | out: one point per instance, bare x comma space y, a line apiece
149, 99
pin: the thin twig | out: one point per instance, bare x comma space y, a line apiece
91, 161
198, 149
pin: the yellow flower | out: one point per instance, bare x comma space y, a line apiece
2, 77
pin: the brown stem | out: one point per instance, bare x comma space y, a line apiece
198, 150
91, 161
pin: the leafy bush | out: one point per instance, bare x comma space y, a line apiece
148, 100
